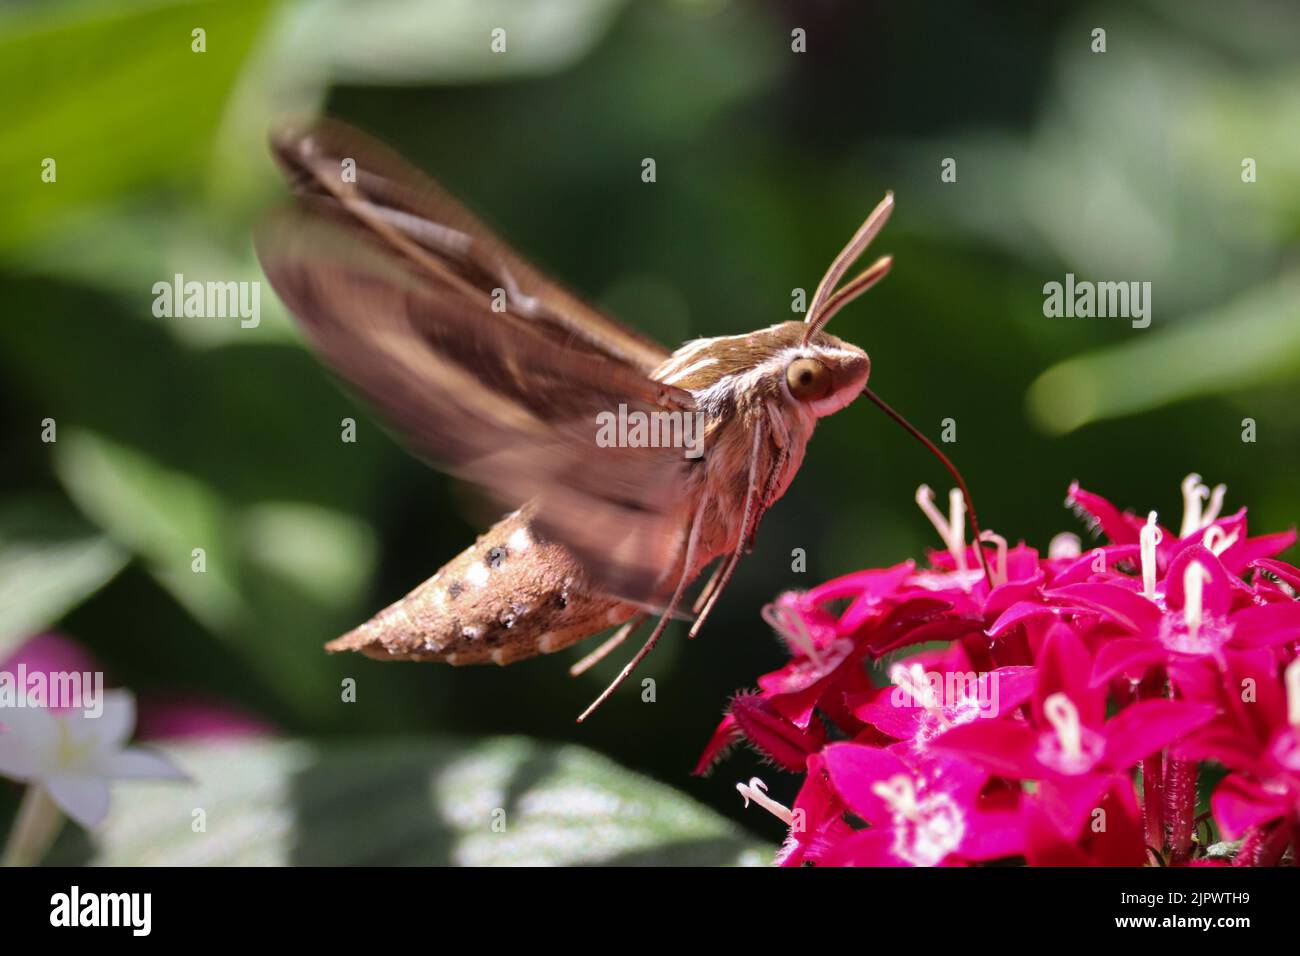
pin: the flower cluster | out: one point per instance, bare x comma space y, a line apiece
1067, 709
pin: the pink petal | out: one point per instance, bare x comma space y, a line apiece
775, 737
1239, 804
1063, 667
993, 836
1118, 527
1125, 655
1020, 612
1149, 726
1216, 592
1267, 625
1015, 685
1082, 568
1005, 595
877, 583
1005, 747
1238, 557
872, 847
723, 739
878, 709
854, 769
1071, 801
1124, 607
1281, 570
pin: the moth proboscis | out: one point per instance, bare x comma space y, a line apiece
400, 289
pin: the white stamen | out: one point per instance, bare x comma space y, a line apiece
1194, 518
1217, 541
1065, 545
1194, 579
1292, 678
1193, 493
950, 531
756, 790
957, 527
999, 574
1216, 505
1148, 538
1061, 713
789, 623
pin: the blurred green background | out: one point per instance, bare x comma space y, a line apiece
181, 433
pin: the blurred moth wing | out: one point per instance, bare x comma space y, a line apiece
498, 376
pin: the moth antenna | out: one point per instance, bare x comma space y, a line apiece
864, 280
952, 470
844, 261
693, 539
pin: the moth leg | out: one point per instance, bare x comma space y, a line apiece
780, 433
600, 653
751, 496
693, 540
769, 487
707, 590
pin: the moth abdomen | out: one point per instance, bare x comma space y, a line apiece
506, 597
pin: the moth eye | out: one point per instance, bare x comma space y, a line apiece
808, 379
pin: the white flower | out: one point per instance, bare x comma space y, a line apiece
74, 756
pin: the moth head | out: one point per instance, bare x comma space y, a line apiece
817, 377
823, 374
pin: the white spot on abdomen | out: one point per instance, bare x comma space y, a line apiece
477, 574
520, 541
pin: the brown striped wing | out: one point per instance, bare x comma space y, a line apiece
401, 305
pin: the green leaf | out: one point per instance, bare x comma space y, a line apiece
273, 577
161, 514
118, 101
501, 801
50, 561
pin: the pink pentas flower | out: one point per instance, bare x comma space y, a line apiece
1112, 835
933, 692
816, 825
1068, 745
1129, 656
919, 811
1256, 736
